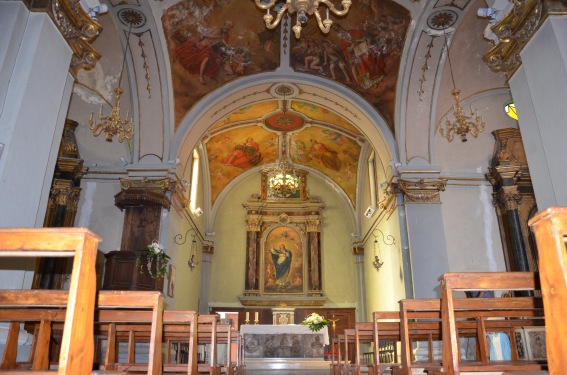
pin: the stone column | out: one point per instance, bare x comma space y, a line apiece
428, 254
253, 226
539, 91
314, 261
507, 200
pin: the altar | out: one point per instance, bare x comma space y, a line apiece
283, 341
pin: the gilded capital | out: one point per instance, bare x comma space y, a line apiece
253, 223
313, 224
77, 28
508, 198
514, 31
423, 191
64, 193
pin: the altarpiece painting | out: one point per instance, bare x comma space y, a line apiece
283, 255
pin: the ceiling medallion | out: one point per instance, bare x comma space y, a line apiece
304, 9
442, 19
284, 121
131, 17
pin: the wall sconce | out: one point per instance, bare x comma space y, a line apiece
180, 240
377, 263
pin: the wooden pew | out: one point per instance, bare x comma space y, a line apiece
52, 320
81, 244
480, 281
550, 228
421, 320
384, 327
335, 366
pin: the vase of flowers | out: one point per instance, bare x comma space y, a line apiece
315, 322
153, 254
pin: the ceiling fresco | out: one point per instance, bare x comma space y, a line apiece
208, 46
316, 138
212, 42
363, 51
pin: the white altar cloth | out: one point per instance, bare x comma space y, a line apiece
263, 329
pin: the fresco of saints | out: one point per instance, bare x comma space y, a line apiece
244, 155
282, 262
327, 157
204, 55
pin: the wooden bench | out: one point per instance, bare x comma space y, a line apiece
421, 320
53, 320
480, 281
550, 228
81, 244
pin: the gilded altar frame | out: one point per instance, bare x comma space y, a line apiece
295, 224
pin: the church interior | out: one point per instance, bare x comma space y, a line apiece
332, 159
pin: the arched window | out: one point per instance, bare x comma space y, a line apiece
194, 184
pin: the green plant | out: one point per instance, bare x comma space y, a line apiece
153, 254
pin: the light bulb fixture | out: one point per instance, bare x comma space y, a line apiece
304, 9
114, 125
180, 240
462, 124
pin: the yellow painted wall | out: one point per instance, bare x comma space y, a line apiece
228, 262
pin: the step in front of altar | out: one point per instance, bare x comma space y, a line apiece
287, 364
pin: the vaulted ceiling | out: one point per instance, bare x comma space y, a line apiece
225, 79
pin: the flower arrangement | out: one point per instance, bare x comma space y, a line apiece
153, 253
315, 322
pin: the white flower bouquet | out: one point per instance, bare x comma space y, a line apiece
315, 322
154, 253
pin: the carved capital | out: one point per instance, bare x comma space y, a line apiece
64, 193
423, 191
358, 248
313, 224
77, 28
253, 223
144, 192
507, 199
514, 31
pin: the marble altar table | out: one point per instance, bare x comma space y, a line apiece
283, 341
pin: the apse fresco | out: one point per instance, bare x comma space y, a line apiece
212, 42
362, 51
247, 113
330, 152
319, 113
283, 261
234, 151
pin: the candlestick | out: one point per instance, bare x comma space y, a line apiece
247, 316
256, 317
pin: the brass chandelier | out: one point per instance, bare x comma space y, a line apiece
462, 124
282, 178
114, 125
304, 9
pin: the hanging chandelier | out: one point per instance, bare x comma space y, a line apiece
304, 9
282, 178
283, 181
192, 262
114, 125
462, 123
